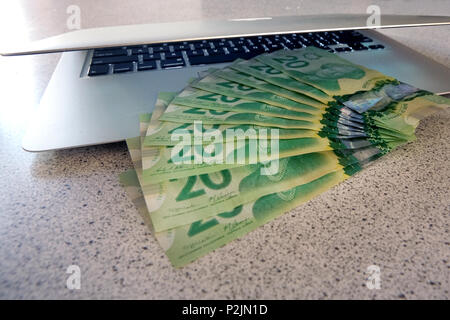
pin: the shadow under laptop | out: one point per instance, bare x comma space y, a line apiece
106, 159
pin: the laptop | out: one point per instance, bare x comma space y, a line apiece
107, 77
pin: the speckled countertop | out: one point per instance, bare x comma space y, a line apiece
66, 208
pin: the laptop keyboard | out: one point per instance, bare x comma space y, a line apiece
204, 52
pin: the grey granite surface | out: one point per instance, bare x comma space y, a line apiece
66, 207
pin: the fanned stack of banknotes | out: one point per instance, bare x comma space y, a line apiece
240, 146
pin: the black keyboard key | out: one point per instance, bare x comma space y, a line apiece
172, 63
181, 47
274, 39
256, 48
359, 47
159, 49
334, 35
289, 45
290, 37
274, 47
304, 40
151, 57
266, 40
213, 59
98, 70
118, 59
351, 41
298, 44
109, 53
147, 65
343, 49
350, 37
173, 55
138, 50
202, 45
123, 67
220, 44
257, 40
356, 34
195, 53
326, 41
333, 41
216, 52
236, 49
320, 45
376, 46
242, 42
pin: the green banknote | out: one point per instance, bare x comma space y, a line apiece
214, 84
153, 125
248, 80
325, 71
271, 75
163, 135
162, 101
187, 243
329, 126
403, 116
267, 73
160, 164
196, 98
177, 202
159, 167
228, 88
393, 110
181, 201
177, 162
180, 204
181, 114
159, 133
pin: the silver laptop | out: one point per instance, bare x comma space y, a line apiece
108, 76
